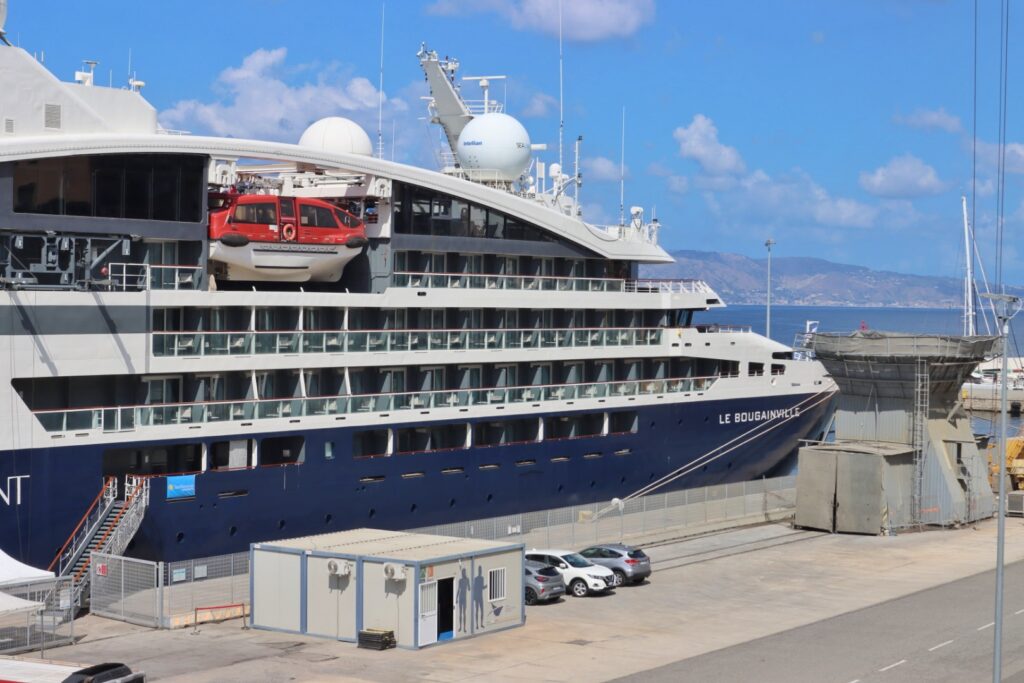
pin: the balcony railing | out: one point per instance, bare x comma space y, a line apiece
548, 283
361, 341
124, 418
131, 277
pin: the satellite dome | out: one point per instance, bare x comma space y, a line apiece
495, 142
335, 134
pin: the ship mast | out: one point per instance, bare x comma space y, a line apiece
969, 316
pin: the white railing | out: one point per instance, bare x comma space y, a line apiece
128, 277
241, 343
136, 489
126, 418
548, 283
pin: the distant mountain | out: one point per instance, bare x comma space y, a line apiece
810, 281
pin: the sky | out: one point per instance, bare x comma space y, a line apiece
841, 130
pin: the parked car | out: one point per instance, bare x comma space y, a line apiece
581, 576
543, 583
629, 564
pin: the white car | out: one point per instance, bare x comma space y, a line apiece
580, 574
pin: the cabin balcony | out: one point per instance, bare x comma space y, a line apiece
128, 418
244, 343
550, 283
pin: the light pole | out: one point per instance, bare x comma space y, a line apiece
768, 309
1009, 307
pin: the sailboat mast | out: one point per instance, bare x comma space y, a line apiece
969, 328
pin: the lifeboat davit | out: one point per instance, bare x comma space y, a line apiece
283, 239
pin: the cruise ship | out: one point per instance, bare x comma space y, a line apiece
210, 341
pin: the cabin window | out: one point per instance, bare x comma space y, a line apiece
230, 455
370, 443
316, 216
282, 450
622, 423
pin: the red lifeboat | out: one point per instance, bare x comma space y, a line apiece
288, 239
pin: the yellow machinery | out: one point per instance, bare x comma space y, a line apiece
1014, 463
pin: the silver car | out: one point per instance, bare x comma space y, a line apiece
629, 564
543, 583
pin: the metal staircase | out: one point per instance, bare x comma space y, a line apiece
107, 526
919, 436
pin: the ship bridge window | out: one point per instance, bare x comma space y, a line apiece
755, 369
138, 186
778, 369
282, 450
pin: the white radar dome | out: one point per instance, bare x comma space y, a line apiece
3, 14
338, 135
495, 142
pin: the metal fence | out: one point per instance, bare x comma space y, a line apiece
178, 594
126, 589
580, 525
167, 595
52, 626
221, 581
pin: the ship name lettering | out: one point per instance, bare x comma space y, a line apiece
761, 415
5, 495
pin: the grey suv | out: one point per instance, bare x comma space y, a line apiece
629, 564
542, 582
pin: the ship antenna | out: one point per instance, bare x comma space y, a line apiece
622, 172
561, 101
380, 90
3, 18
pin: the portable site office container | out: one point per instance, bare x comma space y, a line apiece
424, 588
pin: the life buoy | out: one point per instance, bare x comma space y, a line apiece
288, 232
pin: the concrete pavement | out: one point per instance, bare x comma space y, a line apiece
707, 593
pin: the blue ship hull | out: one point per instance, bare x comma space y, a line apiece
233, 508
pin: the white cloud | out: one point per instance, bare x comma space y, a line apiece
699, 141
257, 102
601, 168
798, 197
541, 104
903, 176
582, 20
678, 184
988, 153
931, 118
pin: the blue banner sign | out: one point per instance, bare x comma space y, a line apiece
181, 486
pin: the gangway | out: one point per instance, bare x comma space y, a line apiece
107, 526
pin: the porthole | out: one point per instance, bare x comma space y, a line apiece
451, 503
412, 508
232, 530
280, 524
180, 537
490, 497
372, 513
328, 518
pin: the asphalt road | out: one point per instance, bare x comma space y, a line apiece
941, 634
